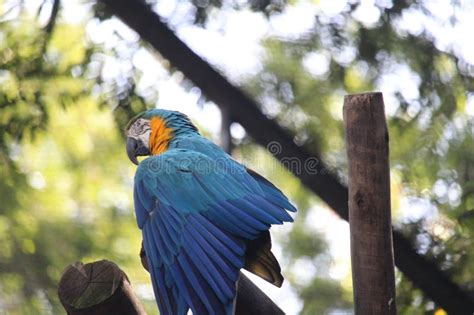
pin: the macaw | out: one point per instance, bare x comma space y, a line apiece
203, 215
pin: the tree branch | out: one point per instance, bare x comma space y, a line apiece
53, 17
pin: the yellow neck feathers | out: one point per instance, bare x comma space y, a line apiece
160, 136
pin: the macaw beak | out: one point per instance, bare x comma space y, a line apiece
136, 148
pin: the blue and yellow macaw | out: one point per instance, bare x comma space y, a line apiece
203, 215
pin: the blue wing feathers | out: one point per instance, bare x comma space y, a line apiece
258, 213
224, 251
195, 223
213, 189
166, 300
183, 288
172, 237
248, 220
231, 222
209, 270
164, 293
201, 286
174, 220
284, 203
243, 213
213, 255
218, 237
206, 270
221, 220
144, 196
275, 196
210, 297
166, 252
277, 212
152, 251
140, 211
194, 285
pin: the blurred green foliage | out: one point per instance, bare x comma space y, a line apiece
65, 183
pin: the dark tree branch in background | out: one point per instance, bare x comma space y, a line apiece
49, 27
97, 288
225, 136
424, 274
53, 17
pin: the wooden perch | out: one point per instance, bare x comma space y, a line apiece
369, 205
250, 299
97, 288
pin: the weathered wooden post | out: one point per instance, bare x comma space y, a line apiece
97, 288
369, 204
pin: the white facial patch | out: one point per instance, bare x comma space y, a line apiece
140, 130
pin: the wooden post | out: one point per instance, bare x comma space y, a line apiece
369, 204
250, 299
97, 288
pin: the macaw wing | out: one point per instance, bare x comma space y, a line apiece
195, 213
193, 264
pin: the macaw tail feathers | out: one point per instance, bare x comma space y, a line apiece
260, 261
203, 275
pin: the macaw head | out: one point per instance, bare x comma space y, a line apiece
150, 132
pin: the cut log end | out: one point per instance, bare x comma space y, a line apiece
100, 287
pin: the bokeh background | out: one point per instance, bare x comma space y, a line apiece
71, 75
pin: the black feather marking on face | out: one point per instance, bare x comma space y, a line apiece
140, 130
132, 121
